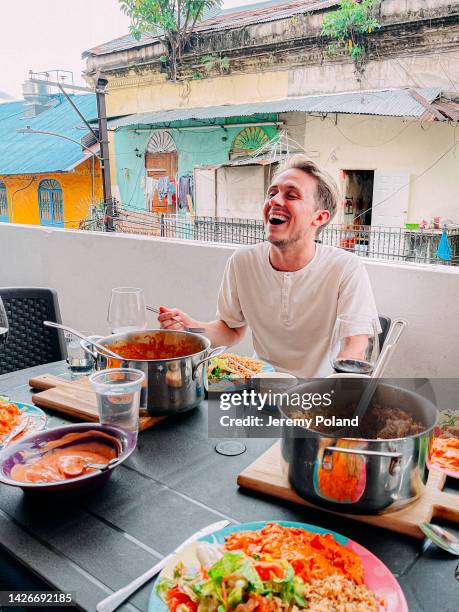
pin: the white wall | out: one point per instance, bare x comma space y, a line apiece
425, 152
84, 266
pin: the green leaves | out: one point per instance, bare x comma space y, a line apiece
349, 24
172, 20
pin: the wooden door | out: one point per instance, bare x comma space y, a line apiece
158, 165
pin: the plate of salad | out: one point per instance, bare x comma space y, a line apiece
276, 566
231, 370
444, 447
18, 420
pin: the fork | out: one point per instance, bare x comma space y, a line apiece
193, 330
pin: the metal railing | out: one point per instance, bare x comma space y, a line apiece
386, 243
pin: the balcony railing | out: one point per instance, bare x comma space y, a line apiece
386, 243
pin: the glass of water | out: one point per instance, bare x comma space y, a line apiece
118, 396
77, 359
4, 327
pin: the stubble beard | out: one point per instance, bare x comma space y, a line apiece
284, 244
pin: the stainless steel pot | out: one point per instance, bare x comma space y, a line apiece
172, 385
387, 474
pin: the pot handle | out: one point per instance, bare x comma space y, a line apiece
358, 451
213, 353
393, 456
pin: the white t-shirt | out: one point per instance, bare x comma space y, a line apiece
292, 314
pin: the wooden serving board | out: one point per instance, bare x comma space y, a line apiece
73, 397
266, 475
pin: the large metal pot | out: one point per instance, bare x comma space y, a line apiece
386, 474
172, 385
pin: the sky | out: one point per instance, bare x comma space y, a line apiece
43, 35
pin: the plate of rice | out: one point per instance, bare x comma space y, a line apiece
276, 566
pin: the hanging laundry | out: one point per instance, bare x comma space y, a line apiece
163, 187
444, 248
185, 189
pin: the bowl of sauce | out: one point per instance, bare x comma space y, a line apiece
77, 456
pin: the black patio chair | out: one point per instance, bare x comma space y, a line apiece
29, 342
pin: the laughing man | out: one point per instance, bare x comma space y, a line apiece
290, 289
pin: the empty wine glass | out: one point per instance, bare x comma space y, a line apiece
355, 344
126, 311
4, 327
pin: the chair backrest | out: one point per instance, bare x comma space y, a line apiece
29, 342
385, 325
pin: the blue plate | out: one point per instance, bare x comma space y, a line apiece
35, 420
378, 577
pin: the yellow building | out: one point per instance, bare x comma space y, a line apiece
48, 179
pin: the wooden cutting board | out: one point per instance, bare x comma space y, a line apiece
73, 397
266, 475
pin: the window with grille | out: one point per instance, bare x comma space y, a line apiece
51, 203
4, 216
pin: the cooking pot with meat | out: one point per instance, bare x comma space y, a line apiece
174, 363
381, 471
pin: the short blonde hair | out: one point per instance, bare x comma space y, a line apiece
327, 193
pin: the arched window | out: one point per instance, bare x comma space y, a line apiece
4, 215
51, 203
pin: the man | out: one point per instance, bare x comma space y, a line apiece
290, 289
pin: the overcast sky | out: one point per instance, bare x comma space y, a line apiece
42, 35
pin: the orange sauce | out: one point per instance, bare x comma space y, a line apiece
156, 348
311, 555
65, 458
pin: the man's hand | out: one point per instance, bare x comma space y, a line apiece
173, 318
217, 331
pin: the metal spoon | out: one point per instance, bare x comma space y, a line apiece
193, 330
103, 466
14, 432
103, 349
441, 537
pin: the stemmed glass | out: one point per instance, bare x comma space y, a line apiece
126, 311
4, 327
355, 344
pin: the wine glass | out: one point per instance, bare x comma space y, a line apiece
4, 327
355, 344
126, 311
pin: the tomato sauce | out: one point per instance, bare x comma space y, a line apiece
65, 458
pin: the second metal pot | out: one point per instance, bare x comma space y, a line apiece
386, 474
172, 385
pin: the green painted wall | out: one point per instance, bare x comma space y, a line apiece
195, 147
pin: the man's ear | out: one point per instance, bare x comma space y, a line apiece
321, 217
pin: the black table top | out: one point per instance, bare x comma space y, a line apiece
174, 484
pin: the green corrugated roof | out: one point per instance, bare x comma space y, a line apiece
386, 103
37, 153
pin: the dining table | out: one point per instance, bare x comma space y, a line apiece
172, 485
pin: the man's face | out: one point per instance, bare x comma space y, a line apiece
290, 211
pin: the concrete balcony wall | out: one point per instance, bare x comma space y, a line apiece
84, 266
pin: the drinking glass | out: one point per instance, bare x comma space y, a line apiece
126, 311
355, 344
4, 327
77, 358
118, 396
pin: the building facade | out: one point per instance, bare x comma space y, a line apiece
47, 178
384, 126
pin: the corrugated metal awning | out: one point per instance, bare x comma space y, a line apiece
384, 103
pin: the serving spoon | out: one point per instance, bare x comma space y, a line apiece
393, 337
103, 349
441, 537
